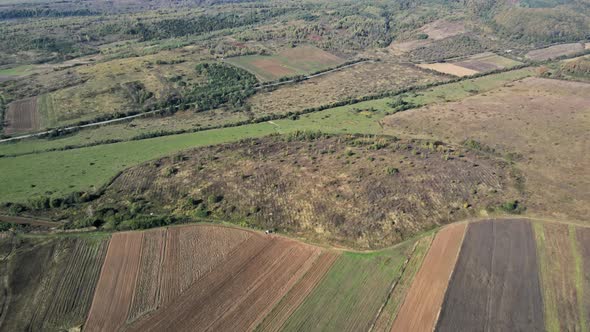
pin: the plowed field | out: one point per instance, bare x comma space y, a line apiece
22, 116
421, 307
495, 286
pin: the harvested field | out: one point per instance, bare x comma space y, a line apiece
181, 268
356, 81
236, 294
561, 277
386, 318
541, 124
449, 68
114, 292
437, 30
555, 51
423, 301
289, 62
275, 320
48, 283
495, 286
364, 192
352, 292
21, 117
486, 61
583, 239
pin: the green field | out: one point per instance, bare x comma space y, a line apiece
16, 71
61, 172
290, 62
350, 295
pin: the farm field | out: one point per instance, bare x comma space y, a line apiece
540, 123
48, 282
387, 190
352, 292
76, 173
471, 65
437, 30
422, 303
289, 62
237, 292
555, 51
495, 285
583, 240
562, 276
21, 116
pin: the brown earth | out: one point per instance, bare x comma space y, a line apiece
310, 54
114, 292
29, 221
423, 301
288, 304
439, 29
235, 295
273, 66
583, 237
357, 191
542, 124
449, 68
558, 276
356, 81
555, 51
495, 286
21, 117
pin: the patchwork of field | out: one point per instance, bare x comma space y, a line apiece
289, 62
48, 283
474, 64
422, 303
555, 51
21, 117
495, 286
357, 81
541, 124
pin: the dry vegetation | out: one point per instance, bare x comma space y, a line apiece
555, 51
352, 190
540, 124
449, 68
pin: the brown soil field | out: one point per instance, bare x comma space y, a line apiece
356, 81
583, 237
423, 301
114, 292
237, 294
47, 283
555, 51
486, 61
436, 30
449, 68
147, 288
495, 286
21, 117
356, 191
542, 123
273, 67
288, 304
29, 221
181, 268
558, 268
310, 54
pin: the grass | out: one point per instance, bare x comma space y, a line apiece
549, 301
351, 293
16, 71
61, 172
579, 277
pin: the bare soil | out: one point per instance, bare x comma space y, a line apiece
495, 286
423, 301
114, 292
555, 51
21, 117
449, 68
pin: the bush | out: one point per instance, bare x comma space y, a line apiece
391, 171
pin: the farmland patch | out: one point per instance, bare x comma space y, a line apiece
289, 62
423, 300
21, 117
495, 285
555, 51
449, 68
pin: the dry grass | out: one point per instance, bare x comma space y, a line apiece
449, 68
544, 121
